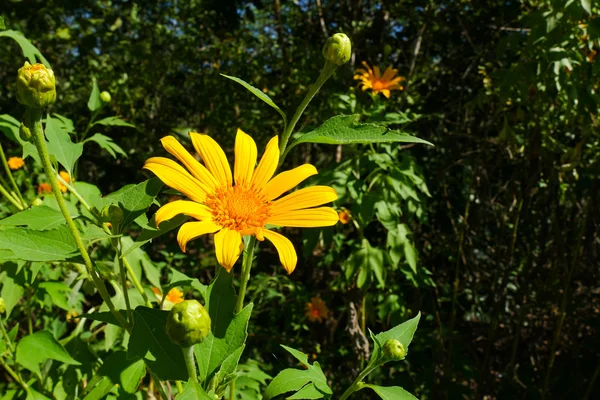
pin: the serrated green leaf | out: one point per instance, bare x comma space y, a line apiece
180, 279
345, 129
29, 51
149, 231
116, 369
107, 144
60, 145
135, 199
113, 121
390, 392
64, 122
39, 347
229, 365
94, 102
149, 341
228, 331
403, 333
29, 245
140, 260
12, 281
193, 391
260, 94
58, 291
298, 355
39, 218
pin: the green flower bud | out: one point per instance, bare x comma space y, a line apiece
105, 97
37, 202
188, 323
394, 350
113, 214
36, 86
2, 306
24, 133
338, 49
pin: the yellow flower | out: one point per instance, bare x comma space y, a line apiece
173, 297
242, 208
372, 79
316, 310
44, 188
15, 162
345, 216
67, 178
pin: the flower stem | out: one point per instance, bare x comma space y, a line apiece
123, 277
33, 120
136, 281
356, 385
246, 266
16, 377
75, 193
188, 355
314, 88
10, 198
10, 177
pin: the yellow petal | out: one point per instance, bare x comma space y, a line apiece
287, 180
267, 165
213, 156
389, 73
385, 92
397, 80
376, 72
228, 247
304, 198
191, 208
245, 158
191, 230
198, 170
364, 63
314, 217
285, 248
176, 177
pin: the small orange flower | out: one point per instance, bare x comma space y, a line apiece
44, 188
15, 162
67, 178
316, 310
372, 79
173, 297
345, 216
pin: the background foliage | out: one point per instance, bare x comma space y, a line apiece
492, 234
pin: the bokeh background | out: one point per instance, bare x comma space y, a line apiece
504, 235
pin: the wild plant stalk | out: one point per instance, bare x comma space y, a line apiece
11, 178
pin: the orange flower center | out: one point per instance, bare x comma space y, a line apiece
315, 312
239, 208
379, 84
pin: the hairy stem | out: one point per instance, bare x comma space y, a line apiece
190, 363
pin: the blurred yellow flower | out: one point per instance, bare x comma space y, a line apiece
245, 207
174, 296
345, 216
44, 188
372, 79
67, 178
316, 310
15, 162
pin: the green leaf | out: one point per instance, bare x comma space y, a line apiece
29, 51
29, 245
150, 341
94, 102
58, 291
12, 286
106, 316
228, 332
107, 144
113, 121
64, 122
135, 199
91, 194
258, 93
180, 279
309, 391
2, 24
37, 348
39, 218
367, 260
116, 369
345, 129
403, 333
149, 231
227, 370
10, 127
60, 145
140, 260
193, 391
587, 6
390, 392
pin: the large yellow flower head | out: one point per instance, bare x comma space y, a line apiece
372, 79
242, 203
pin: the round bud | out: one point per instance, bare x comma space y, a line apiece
36, 86
112, 214
2, 306
24, 133
37, 202
188, 323
338, 49
394, 350
105, 97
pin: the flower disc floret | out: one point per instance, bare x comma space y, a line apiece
243, 202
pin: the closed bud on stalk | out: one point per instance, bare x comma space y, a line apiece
338, 49
105, 97
2, 306
37, 202
394, 350
36, 86
24, 133
112, 214
188, 323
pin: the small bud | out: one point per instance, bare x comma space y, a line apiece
188, 323
338, 49
2, 306
112, 214
394, 350
37, 202
24, 133
105, 97
36, 86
